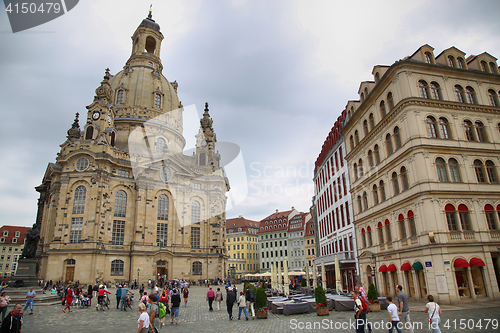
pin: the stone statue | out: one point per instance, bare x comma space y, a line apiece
32, 238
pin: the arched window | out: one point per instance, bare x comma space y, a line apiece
397, 137
89, 134
121, 204
454, 172
380, 233
79, 201
203, 159
423, 87
363, 233
428, 57
355, 171
161, 234
402, 226
382, 191
444, 126
375, 194
360, 205
484, 66
351, 142
451, 61
478, 167
161, 146
481, 137
365, 201
436, 90
113, 139
361, 171
163, 207
382, 109
377, 77
493, 97
431, 127
362, 97
365, 127
150, 44
471, 95
388, 230
157, 101
356, 137
490, 170
369, 233
404, 178
372, 122
390, 101
490, 217
366, 92
117, 267
459, 93
469, 133
377, 155
441, 170
463, 213
493, 68
450, 217
195, 212
197, 268
413, 227
395, 183
119, 97
461, 62
370, 158
388, 144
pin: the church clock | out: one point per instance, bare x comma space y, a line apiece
96, 115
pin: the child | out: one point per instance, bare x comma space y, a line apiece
393, 315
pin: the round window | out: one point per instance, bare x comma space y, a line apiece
82, 164
165, 174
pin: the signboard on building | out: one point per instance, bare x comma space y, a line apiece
442, 286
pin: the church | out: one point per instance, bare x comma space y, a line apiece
122, 201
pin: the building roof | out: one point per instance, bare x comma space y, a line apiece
309, 228
275, 217
12, 234
297, 222
234, 225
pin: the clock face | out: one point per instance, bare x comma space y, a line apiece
96, 115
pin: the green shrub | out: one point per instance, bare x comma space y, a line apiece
319, 295
372, 293
260, 299
303, 282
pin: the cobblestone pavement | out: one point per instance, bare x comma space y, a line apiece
196, 318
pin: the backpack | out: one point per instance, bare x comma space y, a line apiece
163, 310
364, 305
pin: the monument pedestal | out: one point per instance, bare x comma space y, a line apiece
26, 271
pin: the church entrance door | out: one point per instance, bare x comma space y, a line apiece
70, 274
161, 271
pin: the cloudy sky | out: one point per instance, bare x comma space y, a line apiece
275, 73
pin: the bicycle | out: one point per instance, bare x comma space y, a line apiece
102, 303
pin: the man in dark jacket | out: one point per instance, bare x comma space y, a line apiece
230, 300
13, 321
250, 297
176, 302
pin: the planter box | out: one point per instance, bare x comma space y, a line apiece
262, 314
375, 307
322, 311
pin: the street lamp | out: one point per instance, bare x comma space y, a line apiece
373, 261
137, 284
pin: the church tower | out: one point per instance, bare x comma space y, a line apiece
122, 201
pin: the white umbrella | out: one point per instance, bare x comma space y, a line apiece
285, 273
272, 278
295, 273
323, 275
315, 277
338, 283
307, 277
279, 279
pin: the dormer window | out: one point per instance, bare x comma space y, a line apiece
461, 63
484, 66
451, 61
119, 97
428, 57
157, 100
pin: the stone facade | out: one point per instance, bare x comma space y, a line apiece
423, 154
122, 201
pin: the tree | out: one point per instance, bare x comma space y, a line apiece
319, 295
372, 293
260, 299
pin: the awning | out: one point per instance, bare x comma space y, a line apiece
474, 262
460, 263
392, 268
406, 266
417, 266
383, 268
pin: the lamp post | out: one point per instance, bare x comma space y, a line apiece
373, 261
138, 271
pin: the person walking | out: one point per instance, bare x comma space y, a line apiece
153, 313
250, 298
4, 303
124, 293
404, 309
210, 298
393, 315
242, 306
164, 299
30, 298
176, 302
362, 296
434, 311
360, 316
185, 293
230, 300
69, 299
118, 295
90, 294
218, 298
143, 321
13, 321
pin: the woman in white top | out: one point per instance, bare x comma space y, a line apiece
143, 321
434, 311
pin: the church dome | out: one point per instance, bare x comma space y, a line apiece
150, 23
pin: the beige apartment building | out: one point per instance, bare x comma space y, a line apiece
122, 201
12, 244
423, 147
242, 246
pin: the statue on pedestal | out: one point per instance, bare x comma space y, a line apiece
32, 238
